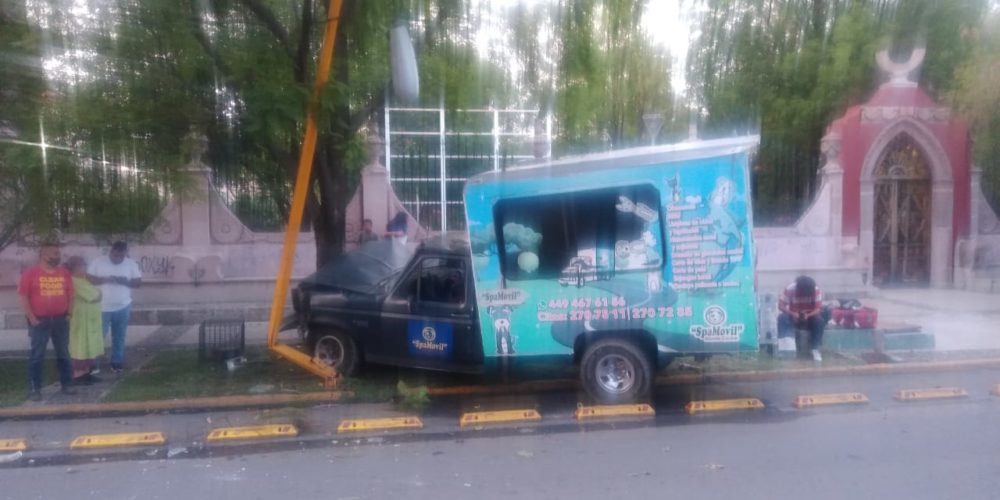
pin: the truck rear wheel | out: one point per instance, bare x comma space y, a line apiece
616, 371
336, 350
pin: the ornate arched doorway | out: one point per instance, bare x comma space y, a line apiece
902, 243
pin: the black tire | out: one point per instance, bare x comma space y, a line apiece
336, 350
616, 371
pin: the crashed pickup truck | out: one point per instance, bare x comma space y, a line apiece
618, 262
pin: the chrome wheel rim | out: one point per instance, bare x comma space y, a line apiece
615, 374
330, 351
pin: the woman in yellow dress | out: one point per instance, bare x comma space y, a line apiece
86, 340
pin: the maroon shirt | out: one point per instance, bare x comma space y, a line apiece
797, 304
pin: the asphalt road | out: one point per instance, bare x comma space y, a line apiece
933, 450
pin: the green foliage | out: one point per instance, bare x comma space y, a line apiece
977, 95
242, 72
414, 398
179, 374
63, 187
609, 74
14, 382
21, 82
787, 68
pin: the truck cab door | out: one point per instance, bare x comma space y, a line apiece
428, 321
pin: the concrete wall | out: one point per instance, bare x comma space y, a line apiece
199, 261
815, 245
977, 257
783, 254
195, 253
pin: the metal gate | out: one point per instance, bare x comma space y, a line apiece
431, 152
902, 216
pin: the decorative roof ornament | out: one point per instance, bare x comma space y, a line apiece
899, 72
194, 145
375, 146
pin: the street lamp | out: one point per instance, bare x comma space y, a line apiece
405, 77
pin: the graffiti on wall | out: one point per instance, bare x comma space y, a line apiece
155, 266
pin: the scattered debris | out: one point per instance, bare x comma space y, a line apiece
261, 389
233, 364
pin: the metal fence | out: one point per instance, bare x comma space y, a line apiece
90, 196
431, 152
260, 199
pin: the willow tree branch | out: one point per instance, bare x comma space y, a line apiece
270, 21
198, 31
301, 61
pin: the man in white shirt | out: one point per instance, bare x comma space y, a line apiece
117, 275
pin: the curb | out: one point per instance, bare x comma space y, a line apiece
873, 369
175, 405
246, 402
735, 376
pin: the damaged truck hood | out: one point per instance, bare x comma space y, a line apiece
368, 270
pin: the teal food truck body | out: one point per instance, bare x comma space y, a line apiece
617, 261
622, 260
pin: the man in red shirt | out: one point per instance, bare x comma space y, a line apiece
46, 292
801, 306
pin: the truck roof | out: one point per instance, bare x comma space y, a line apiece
451, 243
649, 155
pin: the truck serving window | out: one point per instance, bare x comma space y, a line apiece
580, 236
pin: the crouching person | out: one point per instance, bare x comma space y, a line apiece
801, 306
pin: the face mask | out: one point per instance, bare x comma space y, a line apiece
54, 261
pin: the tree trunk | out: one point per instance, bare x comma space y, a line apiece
328, 225
330, 171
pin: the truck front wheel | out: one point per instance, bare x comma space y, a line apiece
616, 371
337, 351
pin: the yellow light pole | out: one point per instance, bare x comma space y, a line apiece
293, 229
406, 85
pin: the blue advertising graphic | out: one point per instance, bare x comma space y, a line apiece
430, 338
663, 248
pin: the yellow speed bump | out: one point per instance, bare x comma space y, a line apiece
252, 432
924, 394
498, 417
829, 399
118, 440
13, 444
379, 424
717, 405
612, 411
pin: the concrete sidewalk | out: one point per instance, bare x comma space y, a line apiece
959, 320
146, 336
